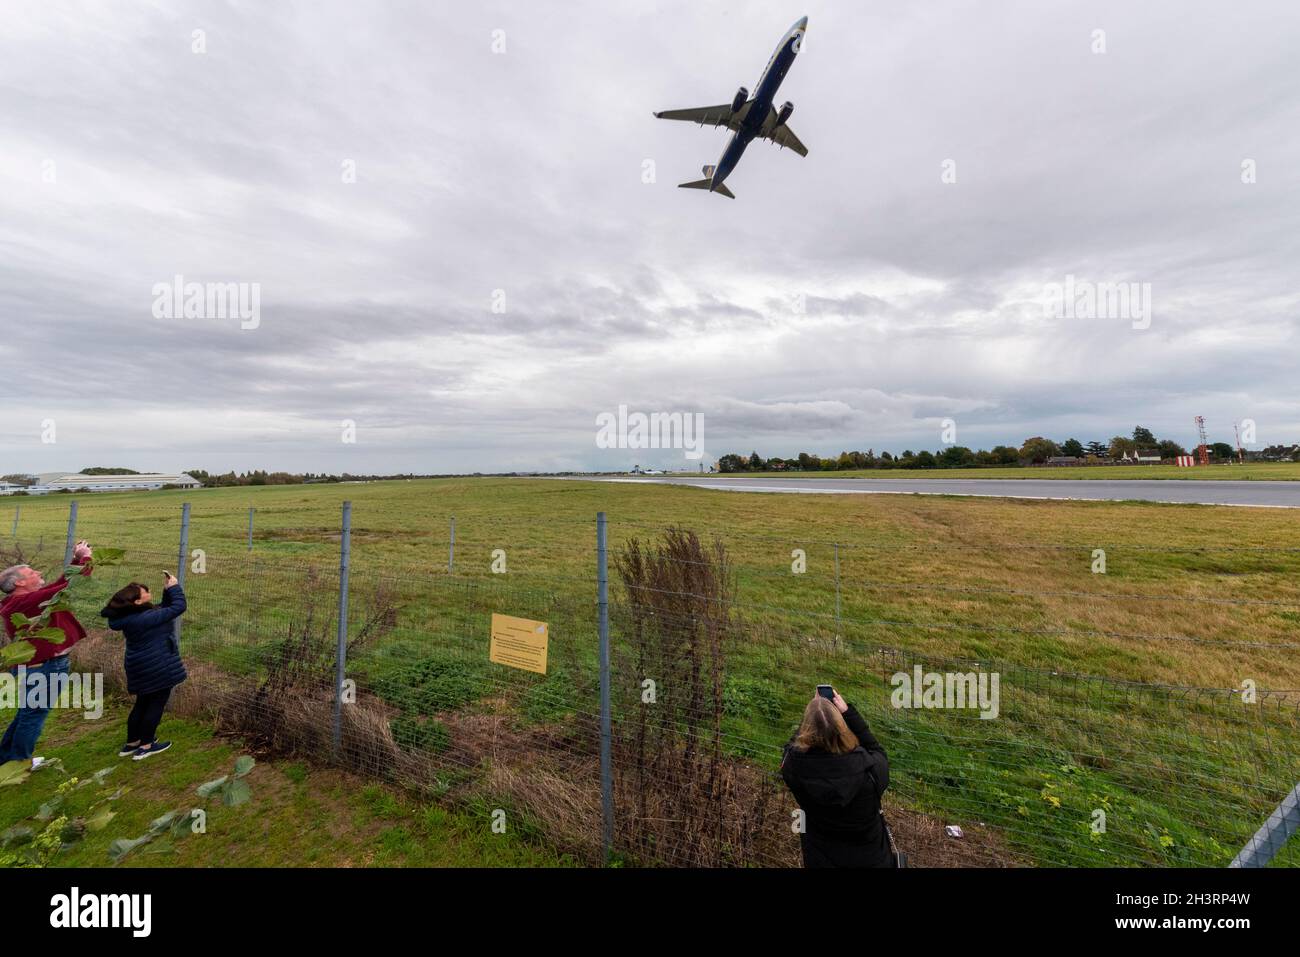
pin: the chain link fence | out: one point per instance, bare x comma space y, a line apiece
715, 640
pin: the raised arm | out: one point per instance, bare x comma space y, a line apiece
46, 592
858, 725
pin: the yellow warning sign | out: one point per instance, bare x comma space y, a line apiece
519, 643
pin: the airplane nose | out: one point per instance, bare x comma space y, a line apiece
802, 24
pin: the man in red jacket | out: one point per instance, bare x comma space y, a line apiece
23, 590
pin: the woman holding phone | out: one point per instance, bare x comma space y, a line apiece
837, 771
153, 659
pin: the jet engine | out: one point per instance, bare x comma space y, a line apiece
742, 95
786, 109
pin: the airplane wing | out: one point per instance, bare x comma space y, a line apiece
721, 115
781, 135
784, 137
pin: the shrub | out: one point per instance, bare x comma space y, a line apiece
437, 683
412, 733
751, 698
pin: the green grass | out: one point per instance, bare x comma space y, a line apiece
293, 805
1192, 595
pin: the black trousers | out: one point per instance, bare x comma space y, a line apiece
142, 722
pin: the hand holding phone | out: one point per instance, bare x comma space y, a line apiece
168, 579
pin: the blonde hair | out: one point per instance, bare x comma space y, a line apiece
823, 728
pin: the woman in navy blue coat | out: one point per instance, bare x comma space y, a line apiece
153, 659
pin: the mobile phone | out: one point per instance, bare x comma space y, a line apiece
826, 691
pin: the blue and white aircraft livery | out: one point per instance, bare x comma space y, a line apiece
748, 118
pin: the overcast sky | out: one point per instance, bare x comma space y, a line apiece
845, 300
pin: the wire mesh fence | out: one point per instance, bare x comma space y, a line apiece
716, 640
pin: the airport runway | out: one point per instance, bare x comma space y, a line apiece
1245, 494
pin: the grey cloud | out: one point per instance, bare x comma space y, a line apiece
918, 300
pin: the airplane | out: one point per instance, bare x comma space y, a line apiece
748, 118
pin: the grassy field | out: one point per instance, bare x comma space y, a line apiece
1192, 596
293, 804
1248, 472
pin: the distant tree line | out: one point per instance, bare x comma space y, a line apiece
1033, 451
261, 477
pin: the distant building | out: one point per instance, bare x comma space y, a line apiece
1274, 453
1063, 460
49, 482
1142, 457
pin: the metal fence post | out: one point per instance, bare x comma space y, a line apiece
341, 654
451, 547
18, 510
250, 528
182, 559
72, 533
1268, 840
606, 762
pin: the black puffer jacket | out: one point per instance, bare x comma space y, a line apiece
840, 796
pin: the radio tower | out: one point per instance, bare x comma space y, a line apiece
1202, 450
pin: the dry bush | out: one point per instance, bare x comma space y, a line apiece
679, 800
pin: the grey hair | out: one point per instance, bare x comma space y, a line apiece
9, 578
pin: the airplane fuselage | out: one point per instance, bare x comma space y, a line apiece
760, 106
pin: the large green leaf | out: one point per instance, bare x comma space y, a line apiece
19, 620
99, 820
212, 787
243, 764
183, 825
124, 846
14, 772
108, 556
18, 834
160, 824
46, 810
236, 793
96, 778
54, 636
17, 653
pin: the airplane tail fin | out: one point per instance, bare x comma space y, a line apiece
707, 183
